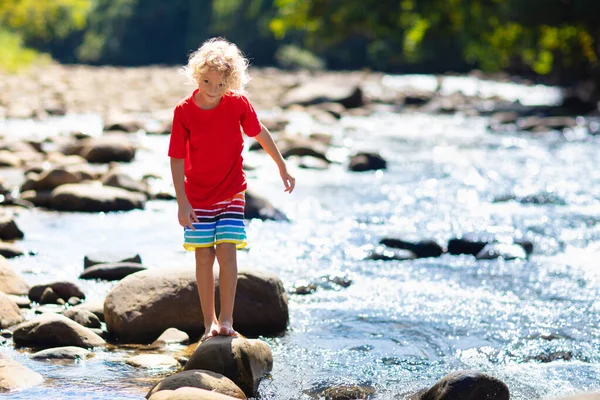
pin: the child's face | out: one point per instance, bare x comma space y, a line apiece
211, 88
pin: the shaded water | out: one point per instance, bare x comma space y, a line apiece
400, 326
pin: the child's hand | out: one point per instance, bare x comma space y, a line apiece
288, 180
187, 216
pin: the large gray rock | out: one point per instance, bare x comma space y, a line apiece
54, 330
94, 197
245, 361
10, 282
16, 376
142, 305
10, 314
201, 379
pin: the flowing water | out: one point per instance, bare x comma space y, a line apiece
400, 325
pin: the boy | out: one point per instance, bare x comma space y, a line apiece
206, 164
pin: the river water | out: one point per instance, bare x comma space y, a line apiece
400, 325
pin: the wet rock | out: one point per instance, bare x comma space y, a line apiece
8, 228
116, 178
361, 162
292, 146
465, 385
304, 289
492, 251
260, 208
172, 335
473, 242
421, 248
53, 178
63, 353
201, 379
14, 376
552, 356
153, 361
382, 253
108, 257
327, 89
54, 330
142, 305
37, 198
344, 392
63, 290
94, 197
106, 149
245, 361
49, 297
83, 317
189, 393
10, 314
10, 282
9, 250
111, 272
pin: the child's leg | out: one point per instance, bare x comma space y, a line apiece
227, 257
205, 259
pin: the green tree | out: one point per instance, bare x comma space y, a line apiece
25, 21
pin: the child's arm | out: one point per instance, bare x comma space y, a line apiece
185, 212
267, 143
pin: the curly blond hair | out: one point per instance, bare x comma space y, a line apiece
219, 55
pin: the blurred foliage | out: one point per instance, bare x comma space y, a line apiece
536, 35
294, 57
24, 21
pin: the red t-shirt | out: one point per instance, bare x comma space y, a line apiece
211, 143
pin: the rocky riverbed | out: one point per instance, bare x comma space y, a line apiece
443, 230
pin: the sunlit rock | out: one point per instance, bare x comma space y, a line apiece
94, 197
364, 161
15, 376
342, 392
63, 290
189, 393
201, 379
106, 149
172, 335
83, 317
245, 361
153, 361
54, 330
142, 305
62, 353
260, 208
10, 314
501, 250
10, 282
325, 89
111, 272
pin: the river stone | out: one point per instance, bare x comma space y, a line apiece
142, 305
9, 250
116, 178
244, 361
110, 257
8, 228
153, 361
201, 379
172, 335
54, 330
53, 178
94, 197
37, 198
10, 314
21, 301
492, 251
344, 392
111, 272
465, 385
421, 248
83, 317
96, 307
364, 161
106, 149
49, 296
260, 208
10, 282
189, 393
326, 89
16, 376
64, 290
62, 353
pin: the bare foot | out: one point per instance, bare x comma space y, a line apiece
211, 331
225, 329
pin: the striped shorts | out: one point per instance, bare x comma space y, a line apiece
220, 223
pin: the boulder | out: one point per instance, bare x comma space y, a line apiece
201, 379
83, 317
54, 330
15, 376
465, 385
189, 393
245, 361
106, 149
326, 89
10, 314
143, 305
94, 197
10, 282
